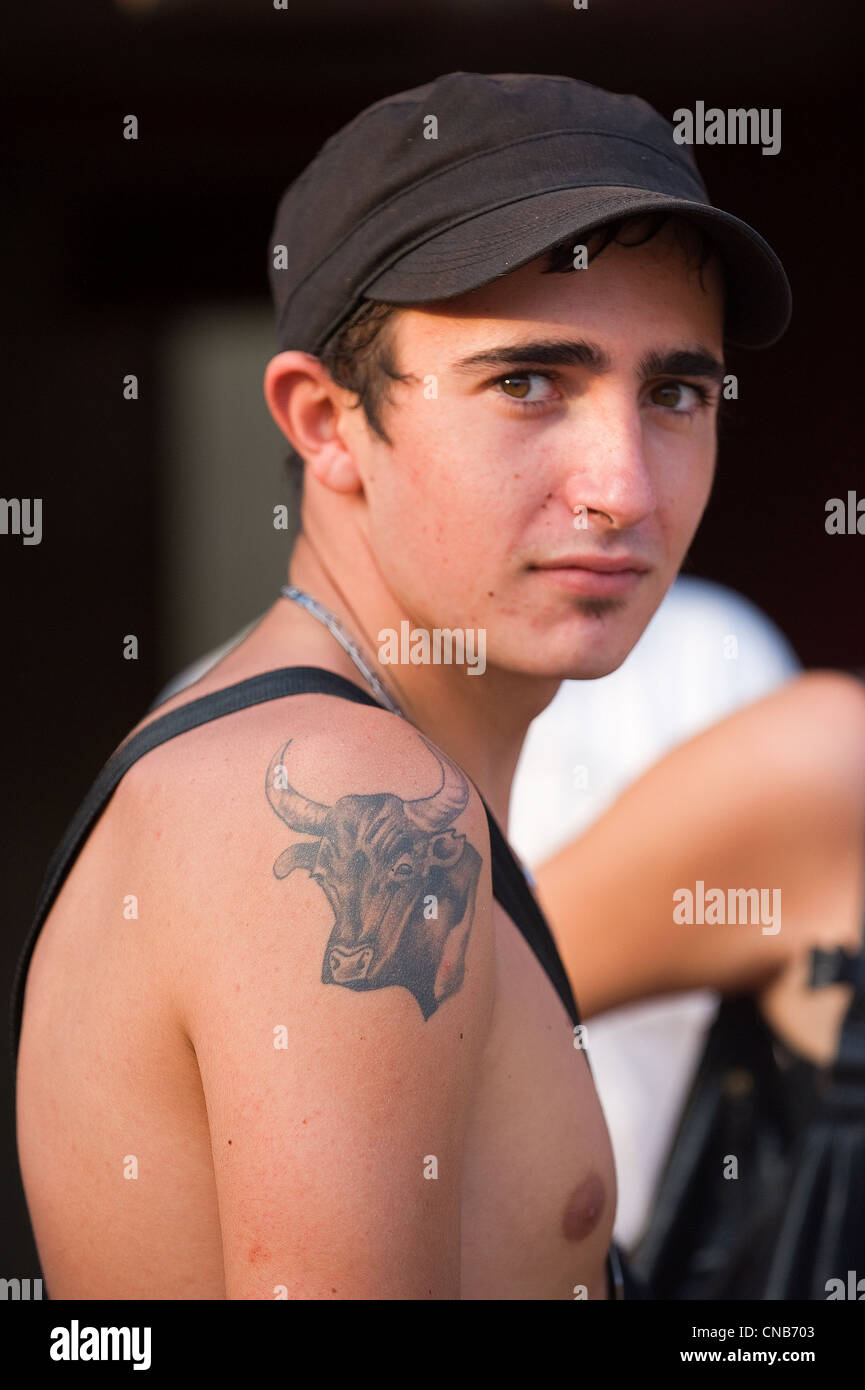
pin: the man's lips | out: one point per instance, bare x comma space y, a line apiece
594, 576
601, 564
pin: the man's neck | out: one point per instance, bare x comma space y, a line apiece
479, 719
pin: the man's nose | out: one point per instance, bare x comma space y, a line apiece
606, 469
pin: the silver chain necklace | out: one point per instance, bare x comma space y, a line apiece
335, 627
332, 623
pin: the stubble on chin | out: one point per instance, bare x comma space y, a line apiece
599, 607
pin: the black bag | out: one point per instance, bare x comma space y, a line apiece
793, 1219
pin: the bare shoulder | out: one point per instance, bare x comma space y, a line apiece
314, 790
330, 916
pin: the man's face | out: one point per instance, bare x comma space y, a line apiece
553, 426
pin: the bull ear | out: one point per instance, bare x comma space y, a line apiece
301, 856
446, 848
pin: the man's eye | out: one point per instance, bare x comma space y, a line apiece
678, 396
532, 387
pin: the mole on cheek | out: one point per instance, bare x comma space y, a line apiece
584, 1209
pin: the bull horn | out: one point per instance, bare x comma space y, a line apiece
436, 811
298, 812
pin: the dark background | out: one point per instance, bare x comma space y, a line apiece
103, 239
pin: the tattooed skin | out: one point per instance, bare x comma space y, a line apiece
401, 883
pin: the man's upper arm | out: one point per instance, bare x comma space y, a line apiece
341, 999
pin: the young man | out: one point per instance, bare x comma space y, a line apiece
293, 1011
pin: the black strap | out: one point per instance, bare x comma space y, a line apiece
509, 884
837, 967
512, 891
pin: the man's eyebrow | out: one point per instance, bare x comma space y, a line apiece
567, 352
546, 352
696, 361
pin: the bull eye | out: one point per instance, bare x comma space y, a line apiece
403, 870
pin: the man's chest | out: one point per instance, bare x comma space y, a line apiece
539, 1186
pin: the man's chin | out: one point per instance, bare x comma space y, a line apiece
606, 636
598, 655
592, 671
592, 641
572, 666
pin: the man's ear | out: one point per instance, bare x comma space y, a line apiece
309, 408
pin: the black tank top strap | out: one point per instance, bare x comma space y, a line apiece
512, 891
509, 884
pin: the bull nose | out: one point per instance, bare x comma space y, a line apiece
349, 965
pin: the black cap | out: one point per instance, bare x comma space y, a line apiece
519, 163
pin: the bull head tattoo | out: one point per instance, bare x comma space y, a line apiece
401, 884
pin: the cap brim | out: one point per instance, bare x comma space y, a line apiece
491, 244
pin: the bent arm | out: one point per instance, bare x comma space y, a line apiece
771, 798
